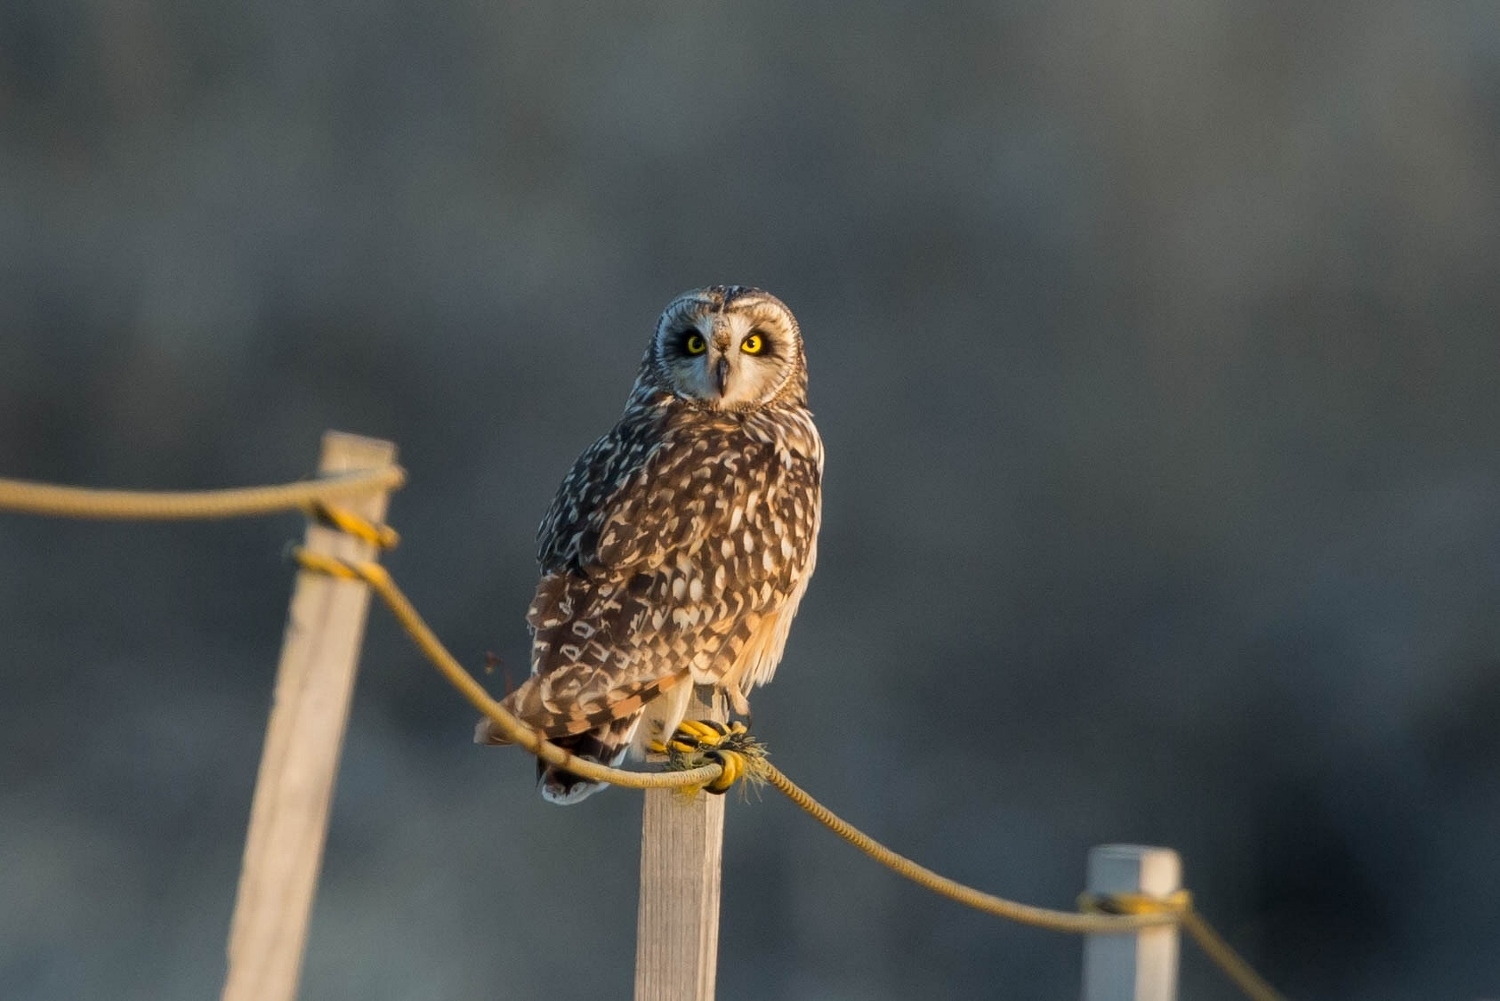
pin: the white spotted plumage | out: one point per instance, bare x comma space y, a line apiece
679, 545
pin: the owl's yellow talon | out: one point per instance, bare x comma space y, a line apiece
703, 731
694, 735
698, 742
699, 733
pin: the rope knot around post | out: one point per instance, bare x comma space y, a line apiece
275, 892
381, 536
714, 758
364, 571
697, 743
1179, 902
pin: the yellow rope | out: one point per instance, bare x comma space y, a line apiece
1135, 903
77, 502
1037, 917
1115, 914
1122, 913
346, 521
1110, 914
1213, 945
1226, 959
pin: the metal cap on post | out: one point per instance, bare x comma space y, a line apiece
1141, 966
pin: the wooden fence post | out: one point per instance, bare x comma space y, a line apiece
1140, 966
677, 924
289, 815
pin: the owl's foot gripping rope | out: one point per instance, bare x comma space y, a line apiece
699, 742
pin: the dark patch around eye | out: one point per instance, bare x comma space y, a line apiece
679, 341
767, 343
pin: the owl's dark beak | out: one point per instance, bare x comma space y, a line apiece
721, 375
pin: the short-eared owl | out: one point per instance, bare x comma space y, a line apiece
678, 547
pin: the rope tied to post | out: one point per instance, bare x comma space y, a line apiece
1131, 912
713, 762
1178, 903
344, 520
699, 742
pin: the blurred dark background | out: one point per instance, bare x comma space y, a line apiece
1154, 346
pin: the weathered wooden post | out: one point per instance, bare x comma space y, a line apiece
677, 924
1140, 966
289, 815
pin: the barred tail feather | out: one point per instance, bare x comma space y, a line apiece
608, 744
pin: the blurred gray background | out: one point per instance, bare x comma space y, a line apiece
1154, 346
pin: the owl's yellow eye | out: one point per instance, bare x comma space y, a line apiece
695, 344
753, 345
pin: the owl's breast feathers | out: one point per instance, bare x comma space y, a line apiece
677, 547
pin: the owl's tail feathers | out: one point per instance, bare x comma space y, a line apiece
607, 744
563, 787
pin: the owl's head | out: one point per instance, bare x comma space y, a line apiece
728, 347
